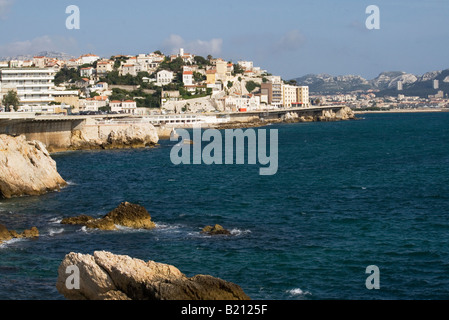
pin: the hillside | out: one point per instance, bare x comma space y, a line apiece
385, 83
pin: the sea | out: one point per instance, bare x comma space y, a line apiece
353, 203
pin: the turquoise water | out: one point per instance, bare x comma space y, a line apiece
347, 195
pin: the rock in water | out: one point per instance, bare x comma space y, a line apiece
215, 230
106, 276
6, 234
131, 215
26, 168
126, 214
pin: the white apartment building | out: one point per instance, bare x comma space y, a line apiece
89, 58
164, 77
33, 86
246, 65
302, 93
289, 95
187, 78
242, 102
128, 106
295, 96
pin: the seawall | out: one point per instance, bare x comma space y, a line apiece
61, 133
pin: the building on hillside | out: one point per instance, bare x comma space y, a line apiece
211, 76
222, 70
246, 65
88, 72
103, 67
129, 69
273, 91
34, 86
187, 78
127, 107
68, 98
302, 93
40, 61
242, 103
164, 77
88, 58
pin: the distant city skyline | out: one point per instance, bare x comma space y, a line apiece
288, 38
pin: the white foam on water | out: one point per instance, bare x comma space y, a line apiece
238, 232
71, 183
55, 220
5, 244
298, 292
52, 232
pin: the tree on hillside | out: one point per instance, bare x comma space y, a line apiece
238, 69
11, 100
200, 60
251, 85
67, 75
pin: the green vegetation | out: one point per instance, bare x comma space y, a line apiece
67, 75
11, 100
146, 100
251, 85
237, 69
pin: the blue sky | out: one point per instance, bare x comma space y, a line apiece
290, 38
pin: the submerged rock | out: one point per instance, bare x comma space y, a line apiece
6, 234
126, 214
26, 168
106, 276
215, 230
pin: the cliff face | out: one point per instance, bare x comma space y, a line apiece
26, 168
114, 137
106, 276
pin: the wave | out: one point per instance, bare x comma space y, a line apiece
52, 232
55, 220
71, 183
238, 232
298, 292
6, 243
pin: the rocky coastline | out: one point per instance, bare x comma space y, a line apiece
6, 235
107, 276
26, 168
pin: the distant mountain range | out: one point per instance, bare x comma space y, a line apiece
49, 54
385, 83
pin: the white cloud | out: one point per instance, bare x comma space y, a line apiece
36, 45
291, 41
4, 7
198, 47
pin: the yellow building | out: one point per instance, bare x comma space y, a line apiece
222, 69
211, 76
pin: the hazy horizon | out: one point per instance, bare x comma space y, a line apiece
287, 38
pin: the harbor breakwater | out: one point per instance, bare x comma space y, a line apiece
63, 133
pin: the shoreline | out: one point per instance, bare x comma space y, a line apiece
403, 111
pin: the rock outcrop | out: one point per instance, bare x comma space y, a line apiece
106, 276
115, 137
126, 214
26, 168
215, 230
6, 234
